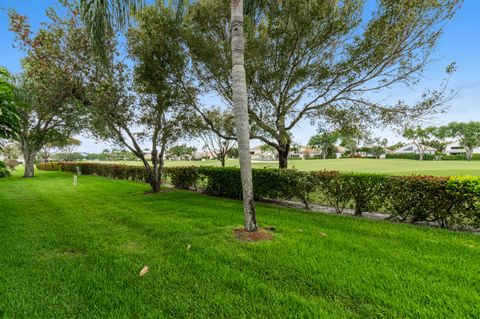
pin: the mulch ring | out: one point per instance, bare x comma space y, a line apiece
261, 234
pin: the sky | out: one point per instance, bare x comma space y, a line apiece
459, 43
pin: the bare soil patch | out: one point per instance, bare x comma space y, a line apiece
261, 234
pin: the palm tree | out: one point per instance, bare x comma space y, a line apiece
101, 16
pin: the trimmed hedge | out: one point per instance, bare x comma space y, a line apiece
412, 156
429, 157
114, 171
183, 177
445, 201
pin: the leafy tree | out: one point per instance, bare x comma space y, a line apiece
46, 152
325, 142
181, 149
421, 137
233, 152
376, 146
50, 93
9, 119
295, 147
352, 133
102, 16
11, 151
468, 134
65, 150
150, 107
318, 60
216, 144
69, 157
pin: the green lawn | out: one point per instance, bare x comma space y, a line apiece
391, 166
70, 252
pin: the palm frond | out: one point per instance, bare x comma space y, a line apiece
102, 17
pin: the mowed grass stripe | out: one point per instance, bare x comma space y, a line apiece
76, 251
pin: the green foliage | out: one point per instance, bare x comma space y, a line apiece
68, 157
268, 183
183, 177
325, 142
317, 76
333, 188
128, 172
468, 134
410, 156
181, 149
365, 191
9, 119
4, 171
443, 157
466, 189
447, 202
442, 200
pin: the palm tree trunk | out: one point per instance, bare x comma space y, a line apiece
241, 113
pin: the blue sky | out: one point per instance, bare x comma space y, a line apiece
459, 43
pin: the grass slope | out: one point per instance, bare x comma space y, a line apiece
391, 166
76, 252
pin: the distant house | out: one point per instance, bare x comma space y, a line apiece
455, 148
413, 149
257, 154
199, 155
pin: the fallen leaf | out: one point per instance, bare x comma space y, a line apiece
300, 230
323, 234
189, 247
144, 270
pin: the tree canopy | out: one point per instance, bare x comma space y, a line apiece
317, 60
50, 92
9, 119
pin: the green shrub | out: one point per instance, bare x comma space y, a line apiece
267, 183
115, 171
333, 188
296, 184
412, 197
4, 172
429, 157
183, 177
364, 190
445, 201
226, 182
466, 191
411, 156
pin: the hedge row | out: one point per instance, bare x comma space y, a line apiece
114, 171
429, 157
442, 200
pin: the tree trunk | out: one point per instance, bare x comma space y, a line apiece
421, 156
469, 154
222, 160
154, 173
358, 211
283, 151
29, 157
240, 107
